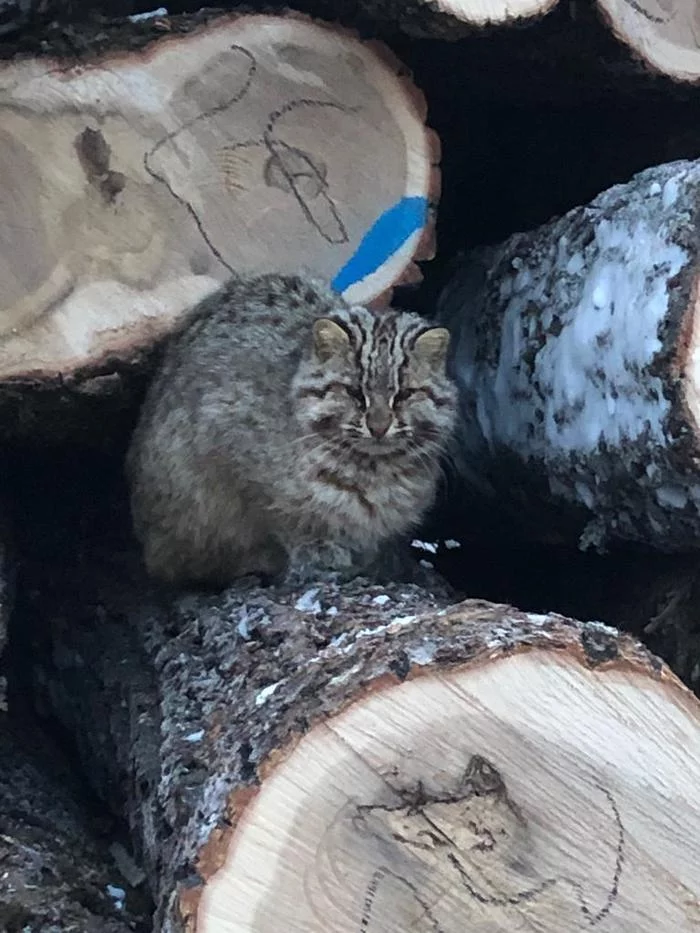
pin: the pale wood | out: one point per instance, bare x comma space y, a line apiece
524, 794
267, 748
486, 12
132, 185
664, 35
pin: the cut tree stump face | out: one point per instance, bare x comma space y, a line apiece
524, 795
132, 185
663, 33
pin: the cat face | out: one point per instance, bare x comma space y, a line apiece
376, 382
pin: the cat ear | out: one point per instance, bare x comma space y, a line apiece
430, 347
330, 339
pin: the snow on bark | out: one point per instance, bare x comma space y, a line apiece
576, 352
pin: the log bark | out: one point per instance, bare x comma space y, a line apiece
372, 758
54, 876
150, 175
575, 349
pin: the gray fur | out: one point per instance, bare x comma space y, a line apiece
253, 452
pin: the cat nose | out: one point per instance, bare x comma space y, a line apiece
378, 420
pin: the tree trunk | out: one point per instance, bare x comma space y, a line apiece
370, 758
575, 348
54, 877
247, 143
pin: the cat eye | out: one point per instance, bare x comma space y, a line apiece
357, 395
404, 394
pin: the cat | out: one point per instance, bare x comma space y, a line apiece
287, 433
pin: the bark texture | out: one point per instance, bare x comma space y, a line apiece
181, 708
575, 347
54, 877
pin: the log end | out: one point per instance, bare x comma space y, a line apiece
252, 143
529, 783
663, 36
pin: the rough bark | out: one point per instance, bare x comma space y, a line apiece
575, 349
54, 877
190, 714
305, 148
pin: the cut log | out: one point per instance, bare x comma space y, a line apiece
54, 876
453, 19
664, 35
576, 348
133, 184
444, 18
369, 758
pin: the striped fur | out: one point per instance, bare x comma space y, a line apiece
255, 449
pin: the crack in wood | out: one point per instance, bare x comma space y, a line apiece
415, 827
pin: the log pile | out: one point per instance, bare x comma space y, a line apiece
249, 143
378, 758
349, 757
576, 349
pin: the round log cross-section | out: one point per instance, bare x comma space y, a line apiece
131, 185
370, 758
664, 35
511, 794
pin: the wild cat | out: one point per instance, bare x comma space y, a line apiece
288, 433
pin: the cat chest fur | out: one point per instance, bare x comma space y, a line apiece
358, 500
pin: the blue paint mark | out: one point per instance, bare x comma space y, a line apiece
388, 233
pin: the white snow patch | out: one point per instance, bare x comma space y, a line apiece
672, 497
451, 544
670, 195
346, 640
575, 264
381, 600
117, 894
242, 626
195, 736
537, 618
267, 692
600, 295
151, 14
585, 494
602, 627
307, 602
423, 654
654, 188
403, 620
342, 678
589, 370
427, 564
430, 546
332, 611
